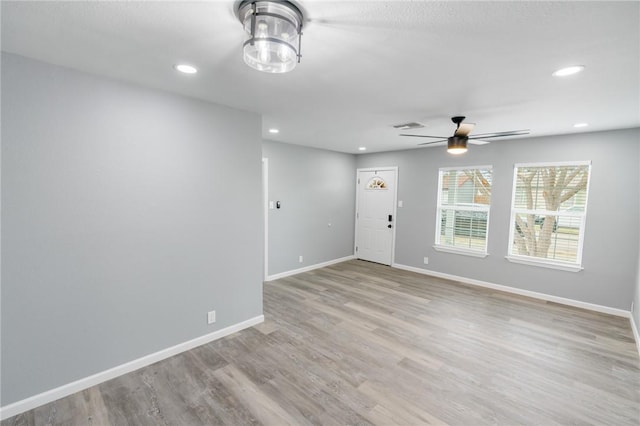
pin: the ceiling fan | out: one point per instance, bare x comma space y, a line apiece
457, 144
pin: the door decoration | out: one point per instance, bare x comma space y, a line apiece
376, 183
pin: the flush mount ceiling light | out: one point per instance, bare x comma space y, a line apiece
563, 72
578, 125
274, 32
457, 145
274, 131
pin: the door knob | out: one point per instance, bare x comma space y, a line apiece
388, 226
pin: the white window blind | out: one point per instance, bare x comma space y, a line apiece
464, 198
548, 212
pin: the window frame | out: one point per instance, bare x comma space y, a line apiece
438, 246
546, 262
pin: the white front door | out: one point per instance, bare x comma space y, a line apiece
375, 214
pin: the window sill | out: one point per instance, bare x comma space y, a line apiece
455, 250
533, 262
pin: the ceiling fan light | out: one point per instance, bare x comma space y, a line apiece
457, 145
456, 151
274, 30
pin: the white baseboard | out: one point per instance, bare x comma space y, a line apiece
528, 293
308, 268
95, 379
636, 335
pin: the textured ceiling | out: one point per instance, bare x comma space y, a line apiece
366, 65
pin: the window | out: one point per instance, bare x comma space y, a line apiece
464, 196
548, 214
376, 183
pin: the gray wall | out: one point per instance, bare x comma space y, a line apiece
127, 215
610, 255
636, 297
316, 187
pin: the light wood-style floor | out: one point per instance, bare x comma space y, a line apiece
361, 343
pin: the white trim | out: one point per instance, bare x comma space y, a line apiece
265, 196
486, 166
563, 213
521, 292
544, 264
308, 268
458, 250
373, 169
465, 207
95, 379
440, 208
394, 169
554, 164
636, 335
514, 211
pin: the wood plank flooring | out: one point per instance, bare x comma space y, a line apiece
361, 343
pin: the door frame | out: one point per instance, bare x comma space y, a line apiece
394, 169
265, 211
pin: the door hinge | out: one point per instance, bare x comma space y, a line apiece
357, 215
358, 181
356, 248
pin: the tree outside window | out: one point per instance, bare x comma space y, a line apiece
464, 197
548, 213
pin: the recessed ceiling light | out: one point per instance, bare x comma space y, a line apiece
274, 131
187, 69
563, 72
581, 125
362, 148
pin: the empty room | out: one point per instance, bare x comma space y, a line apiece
316, 212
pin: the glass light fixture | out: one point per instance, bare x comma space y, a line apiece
457, 145
274, 31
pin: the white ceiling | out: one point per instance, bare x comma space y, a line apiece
366, 64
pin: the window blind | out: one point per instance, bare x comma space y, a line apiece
464, 198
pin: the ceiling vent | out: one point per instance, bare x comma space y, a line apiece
409, 126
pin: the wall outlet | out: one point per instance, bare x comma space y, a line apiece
426, 260
400, 203
300, 259
211, 317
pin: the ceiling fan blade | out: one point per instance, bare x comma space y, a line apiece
423, 136
478, 141
500, 134
464, 129
433, 142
